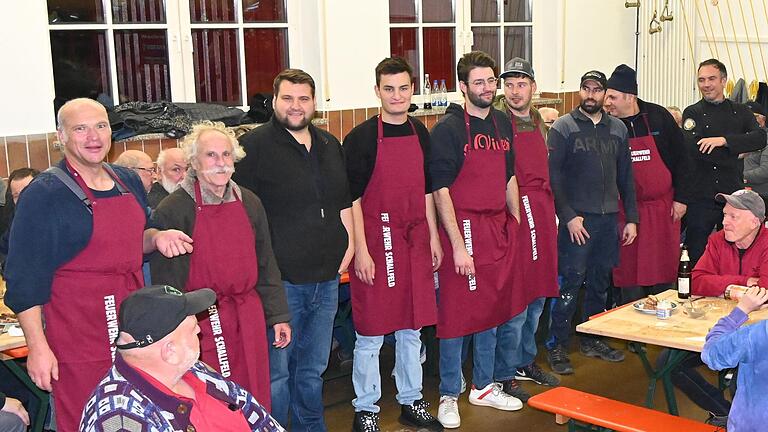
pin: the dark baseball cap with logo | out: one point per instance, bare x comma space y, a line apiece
745, 199
518, 66
153, 312
596, 76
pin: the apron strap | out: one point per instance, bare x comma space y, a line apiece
72, 186
466, 126
199, 196
121, 187
380, 129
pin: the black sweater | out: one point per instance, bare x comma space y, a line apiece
669, 142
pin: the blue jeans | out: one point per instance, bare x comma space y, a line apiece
483, 355
516, 341
365, 373
591, 262
297, 384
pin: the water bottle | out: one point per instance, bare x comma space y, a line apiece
435, 94
684, 276
427, 93
443, 94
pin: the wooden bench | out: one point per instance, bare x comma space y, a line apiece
580, 410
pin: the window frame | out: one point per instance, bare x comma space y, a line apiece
464, 37
178, 27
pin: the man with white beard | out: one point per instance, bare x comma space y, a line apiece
171, 169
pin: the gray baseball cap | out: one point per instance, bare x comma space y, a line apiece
518, 65
744, 199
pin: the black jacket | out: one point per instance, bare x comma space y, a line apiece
721, 170
590, 166
669, 142
303, 193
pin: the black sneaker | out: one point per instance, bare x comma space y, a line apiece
559, 361
533, 372
417, 415
512, 388
598, 348
366, 421
716, 420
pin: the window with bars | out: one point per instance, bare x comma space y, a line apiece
433, 34
216, 51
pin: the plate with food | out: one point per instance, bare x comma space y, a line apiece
648, 305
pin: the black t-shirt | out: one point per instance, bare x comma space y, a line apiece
449, 139
360, 147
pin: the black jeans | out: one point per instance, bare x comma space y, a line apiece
699, 390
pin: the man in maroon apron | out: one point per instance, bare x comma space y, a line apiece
75, 253
662, 172
475, 191
397, 248
233, 256
534, 276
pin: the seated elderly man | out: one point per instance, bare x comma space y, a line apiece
233, 256
157, 383
171, 169
729, 346
738, 254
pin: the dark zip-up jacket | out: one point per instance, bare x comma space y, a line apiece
721, 170
590, 166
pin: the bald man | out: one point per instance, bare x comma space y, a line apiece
69, 264
140, 163
171, 170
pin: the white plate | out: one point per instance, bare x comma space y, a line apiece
640, 307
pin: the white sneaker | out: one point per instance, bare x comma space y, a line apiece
463, 384
493, 396
448, 412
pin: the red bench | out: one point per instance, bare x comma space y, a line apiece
574, 407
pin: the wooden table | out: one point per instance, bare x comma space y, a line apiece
8, 342
681, 333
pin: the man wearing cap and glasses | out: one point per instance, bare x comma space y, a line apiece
661, 168
738, 254
589, 167
535, 268
756, 163
157, 383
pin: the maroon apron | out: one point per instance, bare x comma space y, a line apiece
470, 304
535, 261
81, 316
653, 257
397, 234
234, 334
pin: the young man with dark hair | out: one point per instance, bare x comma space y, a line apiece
396, 248
535, 265
475, 191
298, 172
717, 131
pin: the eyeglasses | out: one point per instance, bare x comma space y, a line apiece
149, 170
491, 82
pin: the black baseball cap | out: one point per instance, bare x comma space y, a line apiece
518, 65
595, 75
153, 312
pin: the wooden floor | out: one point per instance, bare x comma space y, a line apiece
625, 381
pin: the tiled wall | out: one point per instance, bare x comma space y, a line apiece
38, 151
